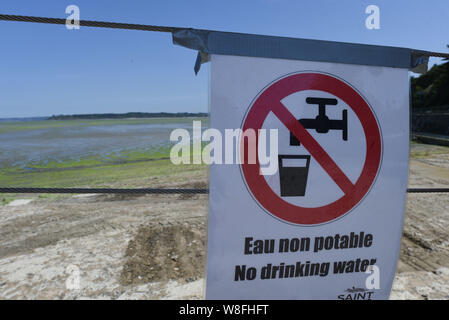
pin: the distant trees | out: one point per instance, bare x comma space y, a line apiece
431, 89
128, 115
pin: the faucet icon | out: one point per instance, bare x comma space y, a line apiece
322, 123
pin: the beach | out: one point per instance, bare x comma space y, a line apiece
92, 246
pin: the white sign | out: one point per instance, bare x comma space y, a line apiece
333, 210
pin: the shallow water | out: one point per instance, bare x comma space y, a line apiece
25, 147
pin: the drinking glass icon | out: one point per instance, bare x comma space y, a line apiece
293, 173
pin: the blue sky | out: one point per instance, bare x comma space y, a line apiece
47, 69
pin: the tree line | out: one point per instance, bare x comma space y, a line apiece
128, 115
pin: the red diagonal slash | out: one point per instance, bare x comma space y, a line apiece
317, 152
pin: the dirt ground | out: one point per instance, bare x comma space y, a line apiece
153, 246
423, 268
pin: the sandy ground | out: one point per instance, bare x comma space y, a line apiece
153, 246
45, 244
423, 268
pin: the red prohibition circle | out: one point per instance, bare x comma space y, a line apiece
269, 101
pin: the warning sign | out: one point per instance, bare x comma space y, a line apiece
317, 215
323, 92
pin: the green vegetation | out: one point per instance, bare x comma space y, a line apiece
6, 127
5, 199
418, 150
430, 90
138, 168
